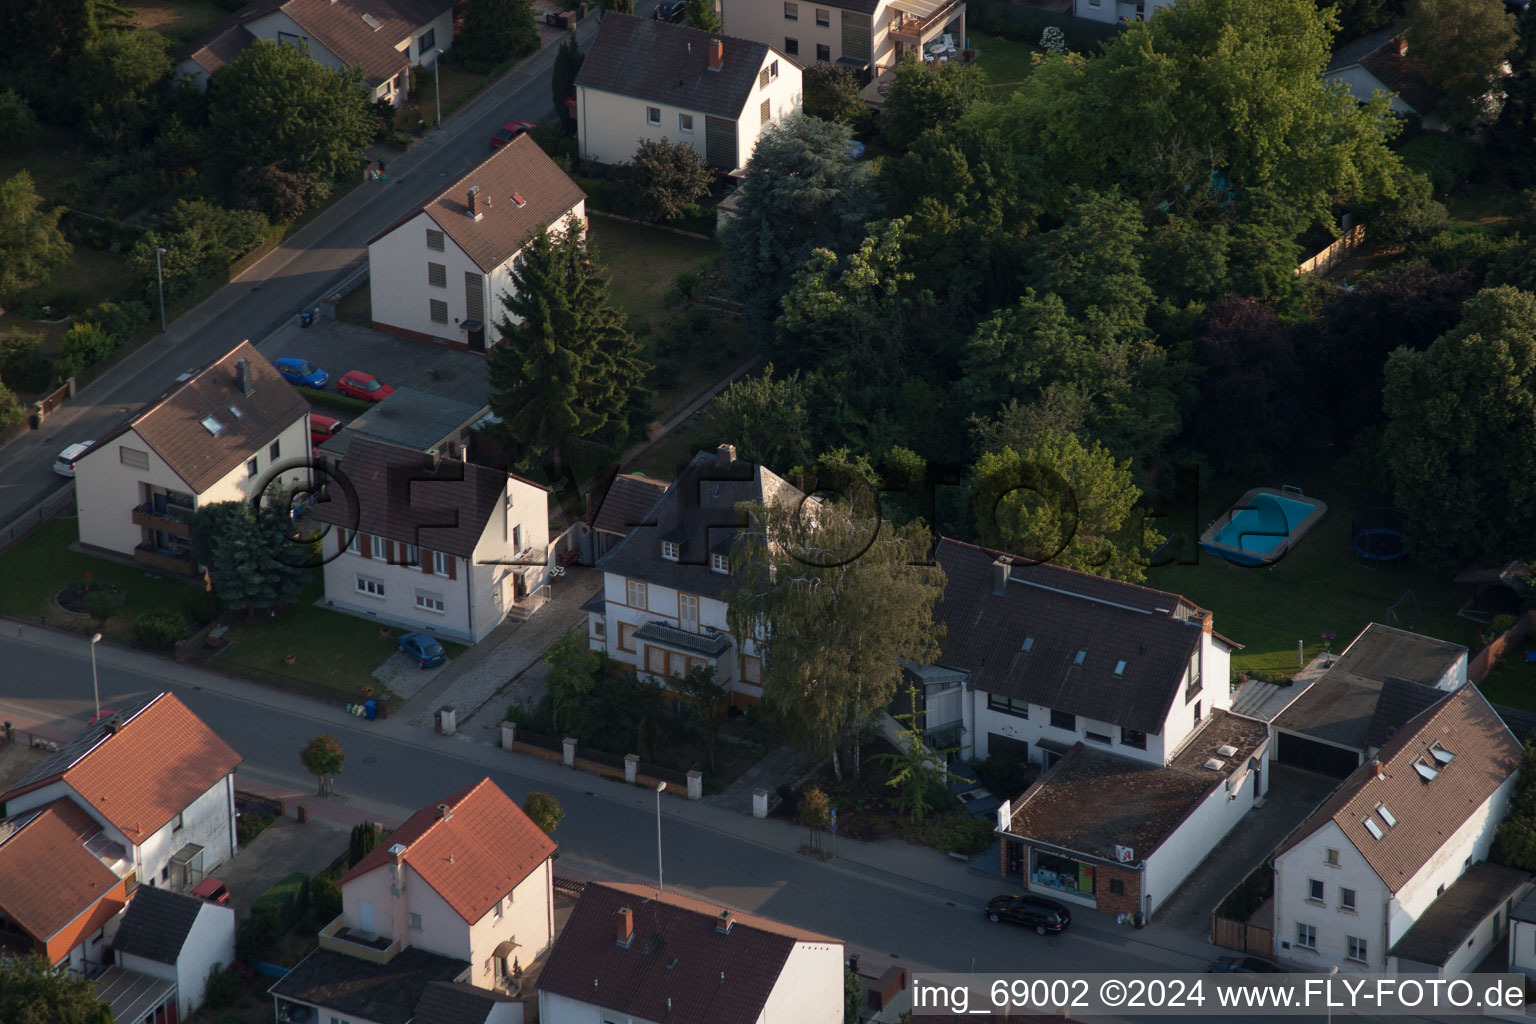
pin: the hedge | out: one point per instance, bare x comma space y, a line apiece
332, 400
284, 903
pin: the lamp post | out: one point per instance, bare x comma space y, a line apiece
1331, 972
660, 788
160, 282
95, 689
437, 85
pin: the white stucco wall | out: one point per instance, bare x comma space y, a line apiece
442, 29
387, 910
526, 918
557, 1009
268, 27
153, 968
663, 605
1468, 845
211, 941
809, 988
1522, 947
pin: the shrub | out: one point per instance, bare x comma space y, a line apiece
1447, 160
203, 607
365, 836
968, 836
101, 605
331, 400
1005, 777
10, 409
1249, 896
85, 344
325, 897
159, 629
544, 811
253, 938
122, 320
17, 125
223, 989
249, 826
22, 363
282, 905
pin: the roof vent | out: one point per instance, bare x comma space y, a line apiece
444, 811
1226, 750
1120, 667
724, 921
1439, 753
1425, 771
1215, 764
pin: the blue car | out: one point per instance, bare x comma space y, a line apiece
423, 649
301, 372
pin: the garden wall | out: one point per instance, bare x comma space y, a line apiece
1483, 661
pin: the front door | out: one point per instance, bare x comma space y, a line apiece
365, 916
688, 612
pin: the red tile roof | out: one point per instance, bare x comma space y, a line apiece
138, 778
672, 968
47, 876
473, 857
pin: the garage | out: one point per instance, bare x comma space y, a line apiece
1315, 756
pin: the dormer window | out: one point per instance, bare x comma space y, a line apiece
669, 550
720, 564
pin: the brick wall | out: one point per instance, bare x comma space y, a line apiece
1505, 643
1127, 902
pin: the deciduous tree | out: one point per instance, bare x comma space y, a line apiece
766, 418
926, 97
31, 245
496, 31
666, 177
571, 672
544, 810
831, 93
700, 14
1462, 45
33, 991
111, 80
323, 757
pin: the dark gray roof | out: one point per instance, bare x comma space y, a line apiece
682, 640
1381, 653
628, 503
700, 510
156, 924
1525, 910
1399, 701
383, 993
457, 1003
1447, 923
59, 761
1062, 612
1520, 721
411, 418
596, 603
667, 63
1355, 52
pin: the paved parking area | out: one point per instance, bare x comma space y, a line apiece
338, 347
285, 847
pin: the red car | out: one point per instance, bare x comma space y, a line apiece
212, 890
509, 131
357, 384
322, 428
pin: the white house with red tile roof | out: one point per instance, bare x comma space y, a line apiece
469, 879
159, 783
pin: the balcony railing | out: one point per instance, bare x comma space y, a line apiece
166, 522
164, 561
919, 29
337, 937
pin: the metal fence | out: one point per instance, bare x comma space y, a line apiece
538, 739
56, 503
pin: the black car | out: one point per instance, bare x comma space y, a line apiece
1243, 965
1043, 915
668, 10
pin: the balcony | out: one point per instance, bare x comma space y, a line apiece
164, 561
376, 949
168, 522
917, 22
520, 611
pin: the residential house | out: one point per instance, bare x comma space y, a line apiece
1112, 11
1037, 658
627, 504
176, 938
1121, 834
630, 952
866, 36
435, 544
1354, 878
1380, 62
1464, 925
463, 894
383, 38
224, 433
1522, 937
413, 419
665, 587
439, 273
159, 782
646, 80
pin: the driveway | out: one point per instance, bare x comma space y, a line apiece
285, 847
338, 347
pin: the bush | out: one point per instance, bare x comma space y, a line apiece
249, 826
331, 400
10, 409
122, 320
1446, 160
252, 940
282, 905
17, 124
601, 194
1473, 251
968, 836
101, 605
325, 897
223, 989
22, 363
85, 344
159, 629
544, 810
1005, 777
203, 607
1249, 896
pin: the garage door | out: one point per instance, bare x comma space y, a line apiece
1312, 756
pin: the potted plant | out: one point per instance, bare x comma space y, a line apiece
289, 659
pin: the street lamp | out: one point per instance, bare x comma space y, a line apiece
437, 84
1331, 972
660, 788
95, 689
160, 281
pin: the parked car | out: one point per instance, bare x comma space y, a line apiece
301, 372
669, 10
64, 465
509, 131
212, 890
1243, 965
1037, 912
322, 428
423, 649
357, 384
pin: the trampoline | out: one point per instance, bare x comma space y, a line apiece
1376, 537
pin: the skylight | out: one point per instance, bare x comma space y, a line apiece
1120, 668
212, 425
1440, 754
235, 411
1371, 827
519, 200
1425, 771
1080, 656
372, 22
1215, 764
1227, 750
1029, 642
1386, 815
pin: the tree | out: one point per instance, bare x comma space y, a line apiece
496, 31
275, 104
571, 672
1094, 263
18, 126
705, 701
1461, 433
1514, 844
365, 836
323, 757
666, 177
11, 411
916, 771
31, 245
831, 92
1462, 45
544, 811
200, 241
281, 195
928, 97
766, 418
567, 365
1252, 389
839, 602
33, 991
801, 192
244, 551
853, 997
1065, 504
111, 80
562, 85
815, 813
700, 14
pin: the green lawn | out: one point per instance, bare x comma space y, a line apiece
1484, 207
1006, 62
642, 262
1513, 680
180, 20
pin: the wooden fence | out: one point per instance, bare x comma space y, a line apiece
1483, 661
1335, 252
1245, 938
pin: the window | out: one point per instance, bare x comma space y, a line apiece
437, 275
410, 554
792, 46
634, 593
773, 71
1133, 738
653, 115
274, 451
1193, 686
1306, 936
416, 922
1314, 890
823, 17
428, 601
1356, 948
434, 240
669, 550
766, 111
685, 122
751, 670
181, 821
439, 310
1062, 720
165, 873
599, 628
440, 564
1097, 737
370, 586
1371, 827
1016, 706
376, 547
627, 636
1116, 887
133, 457
1386, 815
251, 468
427, 42
720, 563
824, 53
1197, 712
212, 425
496, 910
1346, 898
352, 544
791, 12
1332, 857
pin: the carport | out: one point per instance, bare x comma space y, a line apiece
137, 998
1314, 755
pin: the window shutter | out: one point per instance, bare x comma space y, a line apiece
762, 79
365, 546
426, 561
389, 552
341, 542
453, 567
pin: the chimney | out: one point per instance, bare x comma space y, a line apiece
1000, 569
437, 458
1376, 769
444, 812
243, 376
474, 202
725, 454
716, 54
724, 921
587, 515
396, 852
1402, 46
624, 926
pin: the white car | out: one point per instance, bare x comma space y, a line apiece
64, 465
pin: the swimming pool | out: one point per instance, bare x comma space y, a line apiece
1262, 526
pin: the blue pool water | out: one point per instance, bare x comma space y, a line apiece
1260, 528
